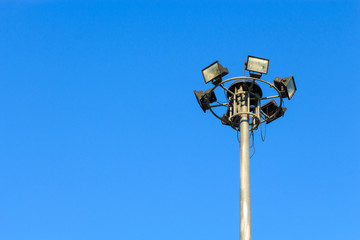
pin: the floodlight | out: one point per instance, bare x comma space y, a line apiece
202, 99
225, 118
286, 86
210, 95
214, 72
270, 108
256, 64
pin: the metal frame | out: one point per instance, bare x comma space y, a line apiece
255, 124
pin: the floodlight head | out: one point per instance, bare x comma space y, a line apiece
210, 95
279, 114
256, 64
245, 84
202, 99
214, 72
270, 108
286, 86
225, 118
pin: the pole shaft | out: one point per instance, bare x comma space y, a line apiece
245, 218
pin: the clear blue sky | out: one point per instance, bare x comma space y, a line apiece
101, 136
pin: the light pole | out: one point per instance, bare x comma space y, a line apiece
244, 113
245, 209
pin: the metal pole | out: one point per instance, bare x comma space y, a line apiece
245, 218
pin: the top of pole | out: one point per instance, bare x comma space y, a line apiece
247, 85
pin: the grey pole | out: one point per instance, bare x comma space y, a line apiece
245, 218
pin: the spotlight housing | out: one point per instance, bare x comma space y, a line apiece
210, 95
286, 86
202, 99
225, 118
270, 108
256, 64
214, 72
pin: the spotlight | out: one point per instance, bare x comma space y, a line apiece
270, 108
210, 95
214, 72
286, 86
202, 99
256, 64
225, 118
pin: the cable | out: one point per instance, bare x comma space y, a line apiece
263, 137
252, 143
251, 135
253, 139
253, 153
244, 66
265, 133
225, 94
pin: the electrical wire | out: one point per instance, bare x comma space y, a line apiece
263, 137
225, 94
244, 66
252, 138
253, 153
252, 143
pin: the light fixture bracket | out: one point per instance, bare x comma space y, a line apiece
255, 75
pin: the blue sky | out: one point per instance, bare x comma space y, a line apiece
102, 138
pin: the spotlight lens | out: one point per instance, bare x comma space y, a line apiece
286, 86
211, 72
291, 88
256, 64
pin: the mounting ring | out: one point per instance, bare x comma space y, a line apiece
258, 120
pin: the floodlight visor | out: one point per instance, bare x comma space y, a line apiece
214, 72
256, 64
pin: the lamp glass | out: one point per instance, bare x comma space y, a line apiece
259, 65
291, 88
211, 72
